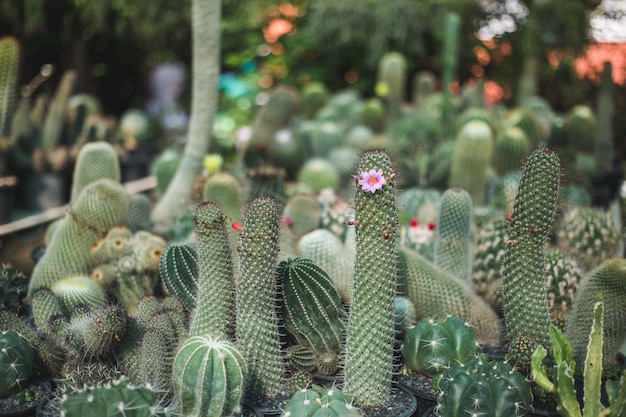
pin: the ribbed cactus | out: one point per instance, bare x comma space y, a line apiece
257, 323
453, 241
95, 160
209, 377
588, 235
480, 387
100, 206
301, 358
370, 336
179, 272
311, 307
267, 181
328, 251
431, 345
404, 315
118, 397
215, 286
329, 402
471, 159
524, 286
608, 282
510, 151
435, 293
16, 362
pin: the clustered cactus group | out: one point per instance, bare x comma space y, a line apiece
339, 238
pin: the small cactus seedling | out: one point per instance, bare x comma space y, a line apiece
431, 346
16, 362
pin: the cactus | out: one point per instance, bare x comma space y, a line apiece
118, 397
588, 235
423, 86
404, 315
453, 240
431, 346
449, 63
100, 206
78, 291
179, 271
488, 260
13, 288
314, 97
510, 150
257, 322
164, 167
373, 115
95, 160
16, 362
301, 358
435, 293
138, 215
329, 402
564, 368
391, 81
317, 174
326, 137
607, 281
311, 307
325, 249
268, 181
481, 387
605, 149
563, 278
526, 120
370, 335
524, 285
209, 377
580, 128
10, 52
134, 128
471, 159
302, 214
286, 151
215, 286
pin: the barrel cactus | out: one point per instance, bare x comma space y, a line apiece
209, 377
328, 403
431, 346
481, 387
16, 362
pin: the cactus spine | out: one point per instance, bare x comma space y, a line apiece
524, 283
215, 293
16, 362
329, 403
370, 336
257, 321
209, 376
453, 241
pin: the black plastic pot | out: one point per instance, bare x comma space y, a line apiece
421, 387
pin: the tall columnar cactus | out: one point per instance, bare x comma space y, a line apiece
118, 397
471, 159
95, 160
257, 331
608, 281
435, 293
314, 97
100, 206
9, 65
524, 285
328, 251
370, 336
480, 387
453, 240
605, 149
16, 362
580, 128
329, 402
209, 377
311, 306
179, 272
391, 83
431, 345
510, 151
215, 293
450, 56
53, 124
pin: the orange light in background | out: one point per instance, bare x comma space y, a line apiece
288, 10
505, 47
492, 92
477, 70
482, 55
351, 76
454, 87
275, 29
554, 59
277, 48
266, 81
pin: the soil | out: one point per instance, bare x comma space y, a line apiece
37, 390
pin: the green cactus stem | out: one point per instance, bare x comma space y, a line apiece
215, 286
329, 402
431, 346
257, 321
524, 278
209, 377
95, 160
179, 271
370, 335
16, 362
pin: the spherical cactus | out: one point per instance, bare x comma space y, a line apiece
79, 291
580, 128
13, 287
510, 150
317, 174
179, 272
302, 214
431, 346
480, 387
116, 398
404, 315
314, 97
97, 332
134, 126
16, 362
328, 403
208, 375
